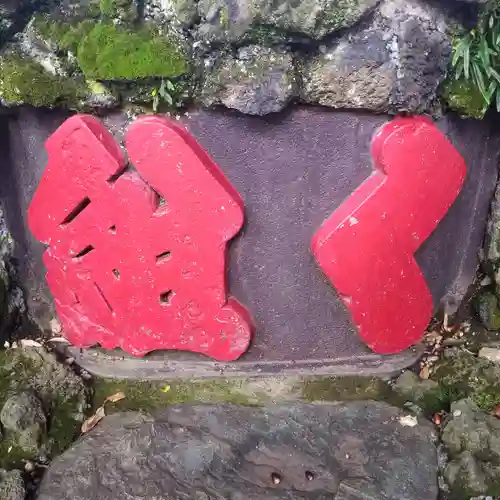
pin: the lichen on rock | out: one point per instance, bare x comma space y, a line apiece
25, 81
43, 405
256, 81
472, 440
11, 485
225, 21
395, 63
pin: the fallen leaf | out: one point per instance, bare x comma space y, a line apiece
497, 412
408, 421
424, 372
166, 388
437, 419
30, 343
115, 397
91, 422
59, 339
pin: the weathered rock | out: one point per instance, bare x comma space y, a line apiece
183, 12
11, 485
12, 305
24, 421
487, 308
229, 21
490, 353
12, 15
396, 63
464, 375
50, 380
27, 372
296, 451
256, 81
423, 392
472, 439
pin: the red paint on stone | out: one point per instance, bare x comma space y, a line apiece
136, 258
366, 247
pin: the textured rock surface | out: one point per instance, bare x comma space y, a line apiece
472, 440
381, 55
12, 305
24, 421
487, 308
11, 485
341, 451
43, 404
396, 62
462, 375
256, 81
423, 392
226, 21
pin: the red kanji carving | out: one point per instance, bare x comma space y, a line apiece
136, 258
366, 248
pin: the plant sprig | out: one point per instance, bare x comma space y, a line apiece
163, 93
476, 56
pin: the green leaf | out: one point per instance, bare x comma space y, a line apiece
478, 78
484, 53
170, 86
467, 62
494, 74
492, 87
460, 49
169, 99
498, 100
459, 70
154, 93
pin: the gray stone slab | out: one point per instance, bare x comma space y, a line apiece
364, 451
292, 170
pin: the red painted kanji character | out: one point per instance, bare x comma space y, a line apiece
367, 246
136, 257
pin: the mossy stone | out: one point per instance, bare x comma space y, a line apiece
465, 375
123, 10
110, 52
62, 394
486, 304
462, 96
148, 396
25, 81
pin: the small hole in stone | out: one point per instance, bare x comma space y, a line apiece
275, 478
166, 298
116, 273
112, 229
309, 475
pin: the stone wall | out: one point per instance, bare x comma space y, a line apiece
255, 56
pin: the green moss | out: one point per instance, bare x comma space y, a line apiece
63, 428
124, 10
486, 305
151, 395
148, 396
463, 97
17, 373
465, 375
346, 389
24, 81
109, 52
224, 16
